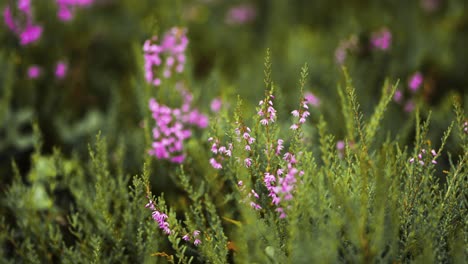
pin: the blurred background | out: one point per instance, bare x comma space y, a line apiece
80, 70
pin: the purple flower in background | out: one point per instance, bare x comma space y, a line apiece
398, 96
23, 27
67, 7
415, 82
340, 145
173, 127
34, 72
216, 105
382, 39
30, 34
61, 69
240, 14
311, 99
165, 58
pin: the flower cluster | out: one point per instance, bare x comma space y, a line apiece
67, 7
421, 156
240, 14
23, 26
159, 217
465, 127
196, 234
301, 115
173, 127
267, 112
381, 40
170, 53
221, 152
243, 132
415, 82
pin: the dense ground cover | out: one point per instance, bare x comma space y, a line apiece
233, 131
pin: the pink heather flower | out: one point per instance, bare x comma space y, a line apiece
215, 164
30, 34
166, 57
67, 7
415, 82
186, 237
434, 153
381, 40
216, 105
340, 145
173, 128
197, 242
34, 72
255, 206
311, 99
150, 205
24, 28
61, 69
398, 96
240, 14
159, 217
255, 194
279, 147
248, 162
196, 233
240, 183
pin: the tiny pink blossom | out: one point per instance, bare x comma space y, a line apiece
34, 72
197, 242
381, 40
248, 162
216, 105
398, 96
186, 237
240, 14
61, 70
415, 82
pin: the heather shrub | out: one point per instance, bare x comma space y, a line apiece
233, 132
